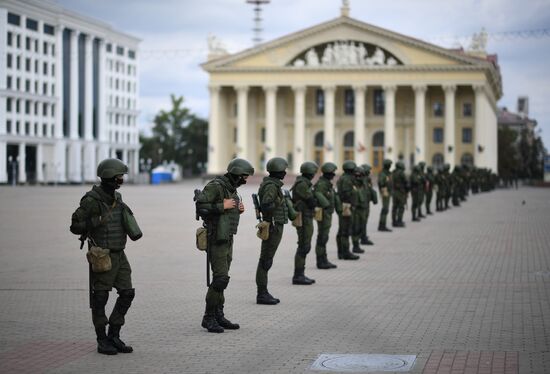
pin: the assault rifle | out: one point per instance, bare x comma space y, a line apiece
206, 223
82, 239
257, 207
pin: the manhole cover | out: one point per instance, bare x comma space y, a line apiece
363, 362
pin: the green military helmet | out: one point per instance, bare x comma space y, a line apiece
111, 167
329, 167
447, 167
239, 166
398, 165
309, 167
430, 169
366, 167
349, 165
276, 164
359, 170
387, 163
422, 165
416, 168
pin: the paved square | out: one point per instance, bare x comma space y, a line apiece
466, 290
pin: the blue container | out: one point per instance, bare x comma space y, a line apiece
161, 177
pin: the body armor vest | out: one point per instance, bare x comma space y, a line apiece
111, 233
280, 213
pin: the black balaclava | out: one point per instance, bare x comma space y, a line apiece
236, 180
329, 176
308, 176
348, 171
109, 185
277, 174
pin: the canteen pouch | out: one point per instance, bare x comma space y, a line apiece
202, 239
263, 230
318, 214
292, 213
130, 224
99, 258
297, 222
346, 210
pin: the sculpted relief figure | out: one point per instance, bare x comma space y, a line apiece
345, 53
311, 58
378, 58
328, 55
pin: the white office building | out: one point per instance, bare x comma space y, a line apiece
68, 94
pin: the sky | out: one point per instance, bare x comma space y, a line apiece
174, 39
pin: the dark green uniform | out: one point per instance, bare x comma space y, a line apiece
430, 180
415, 181
385, 189
372, 197
359, 217
326, 199
456, 181
422, 189
399, 194
348, 197
101, 218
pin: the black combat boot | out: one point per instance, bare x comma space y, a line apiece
330, 264
384, 228
367, 241
114, 338
224, 322
104, 345
322, 263
349, 256
210, 323
300, 278
357, 249
415, 218
264, 297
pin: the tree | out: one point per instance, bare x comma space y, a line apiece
179, 136
508, 157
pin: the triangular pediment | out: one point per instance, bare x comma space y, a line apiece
342, 43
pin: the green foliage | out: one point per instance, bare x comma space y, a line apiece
179, 136
508, 155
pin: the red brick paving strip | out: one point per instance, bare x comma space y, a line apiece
39, 356
464, 362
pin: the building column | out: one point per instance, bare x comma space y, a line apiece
389, 123
39, 162
135, 163
75, 147
3, 163
420, 123
359, 129
480, 142
59, 164
103, 131
449, 134
89, 150
272, 141
243, 148
299, 127
214, 132
22, 175
329, 151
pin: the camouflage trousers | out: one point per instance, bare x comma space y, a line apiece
358, 224
267, 253
305, 233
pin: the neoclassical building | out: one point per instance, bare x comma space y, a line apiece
345, 89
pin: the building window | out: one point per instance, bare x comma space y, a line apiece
349, 102
27, 128
10, 36
319, 142
438, 109
27, 85
27, 107
53, 49
18, 62
17, 106
53, 70
8, 81
467, 110
9, 59
120, 51
8, 126
467, 135
48, 29
44, 130
45, 48
18, 41
437, 160
14, 19
438, 135
44, 109
45, 68
28, 43
109, 47
32, 24
132, 54
8, 104
378, 98
349, 139
28, 64
36, 45
467, 159
320, 102
36, 66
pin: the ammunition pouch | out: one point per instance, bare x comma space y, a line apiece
318, 214
385, 192
346, 210
202, 239
130, 224
263, 230
297, 222
99, 258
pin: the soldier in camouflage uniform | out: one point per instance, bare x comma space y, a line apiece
421, 192
430, 180
415, 182
456, 181
274, 210
100, 218
304, 202
326, 198
359, 211
223, 205
399, 194
372, 197
385, 188
448, 185
440, 190
346, 197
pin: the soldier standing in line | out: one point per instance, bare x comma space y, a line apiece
106, 221
448, 184
372, 197
359, 210
439, 190
399, 194
456, 181
223, 205
304, 202
346, 196
416, 185
385, 188
275, 212
430, 179
326, 197
421, 195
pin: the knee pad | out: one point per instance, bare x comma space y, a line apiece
128, 294
99, 299
220, 283
266, 264
385, 211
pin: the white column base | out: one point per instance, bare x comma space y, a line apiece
90, 162
3, 161
39, 163
22, 172
75, 162
60, 162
